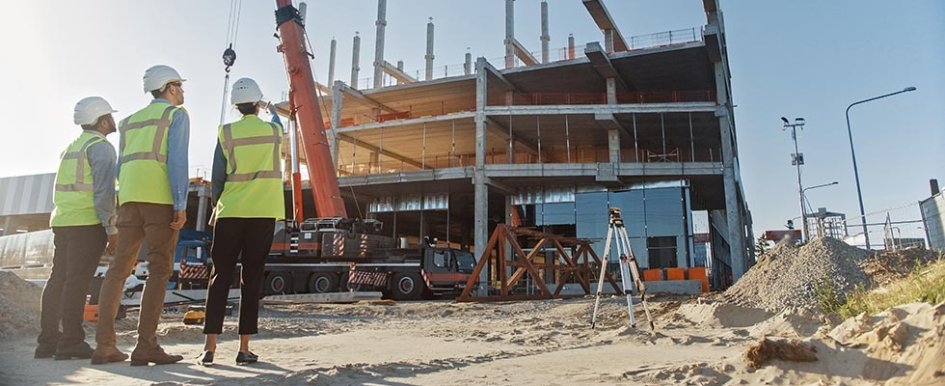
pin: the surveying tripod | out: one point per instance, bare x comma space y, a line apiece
629, 273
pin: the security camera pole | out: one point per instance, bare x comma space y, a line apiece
797, 159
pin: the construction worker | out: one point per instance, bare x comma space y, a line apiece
152, 203
247, 188
82, 222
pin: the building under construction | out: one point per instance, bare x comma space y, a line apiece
550, 140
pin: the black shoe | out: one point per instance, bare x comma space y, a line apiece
246, 358
206, 359
79, 351
44, 351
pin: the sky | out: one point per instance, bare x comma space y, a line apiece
804, 58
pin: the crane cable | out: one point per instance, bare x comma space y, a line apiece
229, 55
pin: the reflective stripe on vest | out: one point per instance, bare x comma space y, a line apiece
253, 187
161, 123
81, 162
142, 155
73, 194
230, 145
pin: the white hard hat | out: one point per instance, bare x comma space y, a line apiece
157, 76
88, 110
245, 90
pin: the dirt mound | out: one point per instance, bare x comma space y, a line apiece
720, 315
887, 266
19, 305
787, 275
905, 344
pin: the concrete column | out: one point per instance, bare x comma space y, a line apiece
355, 60
609, 40
481, 210
9, 226
331, 62
733, 199
545, 38
613, 134
570, 46
400, 66
467, 65
429, 56
509, 33
379, 43
337, 103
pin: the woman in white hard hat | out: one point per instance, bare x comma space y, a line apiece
249, 196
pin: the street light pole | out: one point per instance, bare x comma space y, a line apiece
856, 173
798, 161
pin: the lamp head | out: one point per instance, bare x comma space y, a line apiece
910, 88
783, 119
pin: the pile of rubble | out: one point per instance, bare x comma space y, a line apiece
787, 275
19, 305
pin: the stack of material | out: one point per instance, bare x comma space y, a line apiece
786, 275
19, 305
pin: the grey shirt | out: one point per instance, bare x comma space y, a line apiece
102, 159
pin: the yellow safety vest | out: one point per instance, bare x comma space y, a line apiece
253, 187
142, 155
73, 195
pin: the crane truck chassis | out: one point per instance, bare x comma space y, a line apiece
338, 254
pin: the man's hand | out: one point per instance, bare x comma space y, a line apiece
180, 218
112, 244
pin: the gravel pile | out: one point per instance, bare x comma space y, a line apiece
786, 275
19, 305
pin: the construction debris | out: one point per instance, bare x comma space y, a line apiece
19, 305
788, 274
784, 349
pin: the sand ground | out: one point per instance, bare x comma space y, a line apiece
447, 343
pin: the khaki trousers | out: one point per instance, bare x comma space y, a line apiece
138, 222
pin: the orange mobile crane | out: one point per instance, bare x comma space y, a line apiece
334, 252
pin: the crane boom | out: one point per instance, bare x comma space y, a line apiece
302, 94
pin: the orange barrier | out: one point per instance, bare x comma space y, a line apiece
652, 274
91, 313
675, 274
699, 274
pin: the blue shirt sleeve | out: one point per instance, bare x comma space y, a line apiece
218, 176
178, 138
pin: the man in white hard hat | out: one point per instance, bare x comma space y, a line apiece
247, 189
152, 199
82, 223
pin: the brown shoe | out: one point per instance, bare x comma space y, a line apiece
156, 356
102, 356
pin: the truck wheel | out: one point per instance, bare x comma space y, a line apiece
319, 283
278, 283
406, 286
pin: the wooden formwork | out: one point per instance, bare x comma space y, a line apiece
581, 266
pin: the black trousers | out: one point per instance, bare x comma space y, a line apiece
246, 240
78, 250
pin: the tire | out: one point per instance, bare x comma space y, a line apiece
406, 286
277, 283
319, 283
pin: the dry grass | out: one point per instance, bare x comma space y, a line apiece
926, 283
